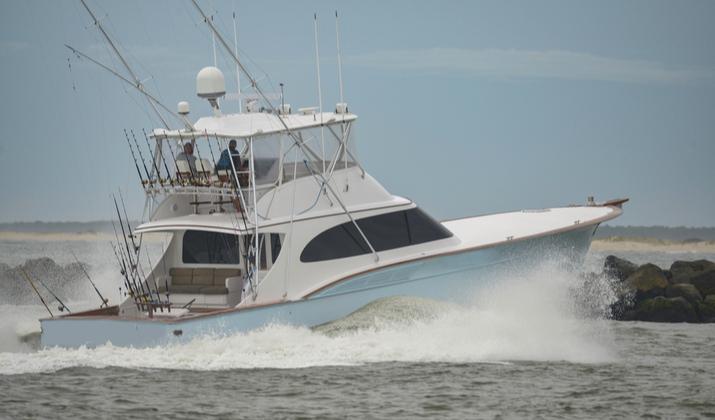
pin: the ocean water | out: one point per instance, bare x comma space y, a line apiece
537, 345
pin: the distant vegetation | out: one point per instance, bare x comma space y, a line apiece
99, 226
663, 233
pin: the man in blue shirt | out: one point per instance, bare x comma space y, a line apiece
224, 162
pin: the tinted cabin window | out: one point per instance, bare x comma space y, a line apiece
201, 247
275, 246
248, 244
423, 228
384, 231
338, 242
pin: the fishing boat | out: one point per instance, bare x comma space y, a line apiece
273, 219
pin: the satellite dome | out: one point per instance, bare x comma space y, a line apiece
210, 83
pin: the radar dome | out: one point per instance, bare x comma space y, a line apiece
210, 83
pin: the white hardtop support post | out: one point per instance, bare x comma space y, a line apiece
256, 248
297, 141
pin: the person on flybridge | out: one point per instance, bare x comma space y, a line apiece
224, 162
186, 160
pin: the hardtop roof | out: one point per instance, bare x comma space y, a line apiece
256, 124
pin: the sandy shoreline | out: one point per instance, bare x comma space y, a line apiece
609, 245
600, 245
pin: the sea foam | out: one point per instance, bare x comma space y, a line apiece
546, 314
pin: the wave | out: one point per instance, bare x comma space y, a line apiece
544, 315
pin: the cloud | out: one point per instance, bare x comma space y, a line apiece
530, 64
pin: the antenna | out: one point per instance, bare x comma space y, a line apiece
213, 43
320, 94
282, 97
235, 50
340, 63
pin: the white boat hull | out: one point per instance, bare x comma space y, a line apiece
454, 277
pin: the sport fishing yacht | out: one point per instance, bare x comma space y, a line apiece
295, 231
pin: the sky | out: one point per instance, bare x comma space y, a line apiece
466, 107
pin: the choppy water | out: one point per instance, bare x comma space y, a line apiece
538, 345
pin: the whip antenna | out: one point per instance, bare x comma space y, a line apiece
320, 94
238, 71
340, 62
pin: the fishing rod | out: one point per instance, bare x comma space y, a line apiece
137, 248
129, 227
179, 178
133, 268
136, 165
153, 278
151, 155
27, 277
105, 302
123, 267
161, 155
146, 171
123, 270
62, 306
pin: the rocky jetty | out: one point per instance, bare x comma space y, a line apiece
683, 293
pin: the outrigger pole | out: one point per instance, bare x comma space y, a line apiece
137, 83
27, 277
295, 138
105, 302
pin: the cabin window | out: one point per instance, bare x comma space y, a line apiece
200, 247
384, 231
275, 246
424, 228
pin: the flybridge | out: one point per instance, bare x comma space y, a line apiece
256, 124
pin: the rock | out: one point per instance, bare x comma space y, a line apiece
705, 282
684, 271
662, 309
684, 290
648, 281
706, 308
618, 268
